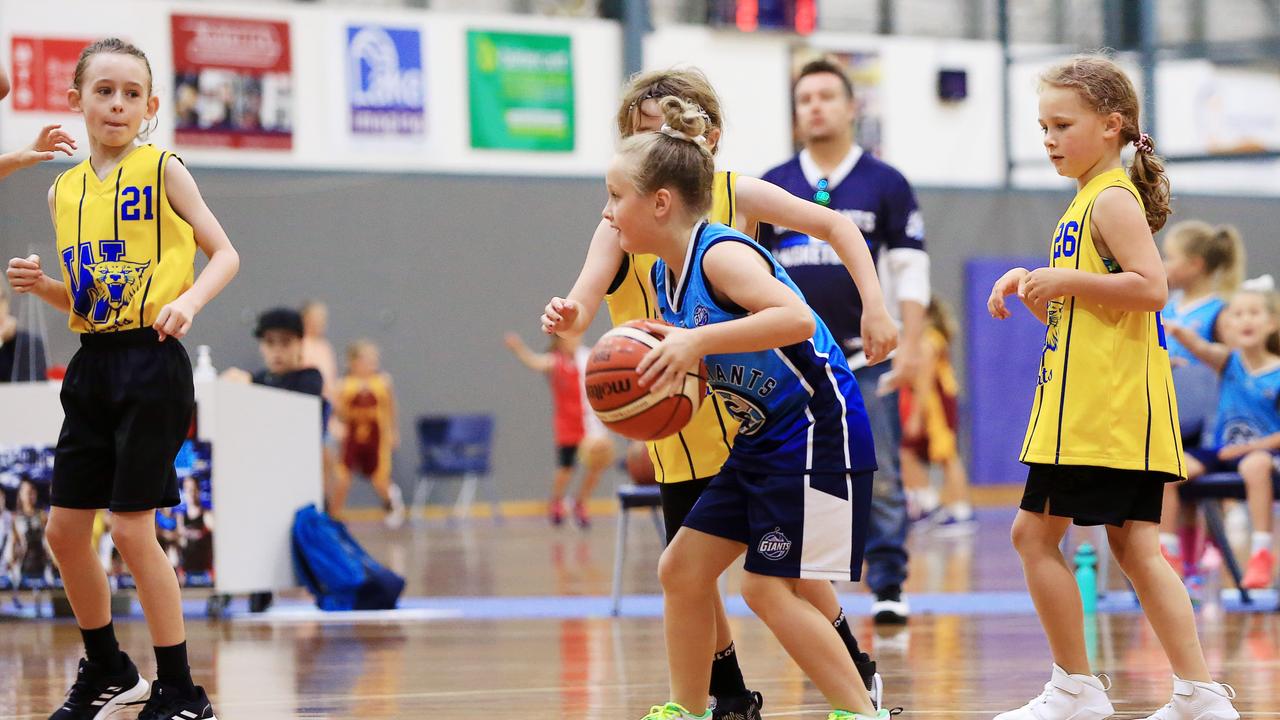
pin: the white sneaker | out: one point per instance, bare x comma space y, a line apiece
1198, 701
877, 691
891, 609
396, 515
1067, 697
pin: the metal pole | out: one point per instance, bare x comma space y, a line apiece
886, 17
1002, 33
1147, 32
635, 24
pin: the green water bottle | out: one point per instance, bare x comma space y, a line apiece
1087, 577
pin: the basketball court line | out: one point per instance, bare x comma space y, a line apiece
650, 606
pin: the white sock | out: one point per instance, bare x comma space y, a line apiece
1261, 541
1170, 543
927, 497
961, 511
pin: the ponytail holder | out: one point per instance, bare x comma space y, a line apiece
1260, 284
1144, 144
672, 132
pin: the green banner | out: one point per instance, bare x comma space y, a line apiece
521, 90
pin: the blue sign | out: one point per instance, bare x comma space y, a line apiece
385, 84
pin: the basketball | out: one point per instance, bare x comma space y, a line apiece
614, 391
639, 466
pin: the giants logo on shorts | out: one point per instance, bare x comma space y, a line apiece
774, 545
750, 415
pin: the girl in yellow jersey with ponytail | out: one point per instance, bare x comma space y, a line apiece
1103, 438
686, 462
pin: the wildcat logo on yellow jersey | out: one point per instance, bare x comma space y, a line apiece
103, 283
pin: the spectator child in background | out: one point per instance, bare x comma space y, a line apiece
1205, 265
579, 434
1246, 436
929, 421
366, 405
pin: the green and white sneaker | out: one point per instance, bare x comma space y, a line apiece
844, 715
673, 711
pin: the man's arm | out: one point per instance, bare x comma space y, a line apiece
907, 264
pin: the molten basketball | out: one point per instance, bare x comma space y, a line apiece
614, 391
639, 466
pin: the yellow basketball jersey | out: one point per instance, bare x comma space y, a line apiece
124, 252
366, 402
1105, 392
701, 448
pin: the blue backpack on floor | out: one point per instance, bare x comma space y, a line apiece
337, 571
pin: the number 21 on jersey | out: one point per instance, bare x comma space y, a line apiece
133, 197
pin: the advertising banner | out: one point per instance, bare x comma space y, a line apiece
233, 82
185, 531
385, 86
521, 91
42, 71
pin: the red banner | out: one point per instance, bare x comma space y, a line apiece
233, 82
42, 72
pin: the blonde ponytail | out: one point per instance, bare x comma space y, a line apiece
677, 157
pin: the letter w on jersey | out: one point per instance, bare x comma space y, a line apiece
102, 283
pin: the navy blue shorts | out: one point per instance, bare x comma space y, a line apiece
794, 526
1208, 457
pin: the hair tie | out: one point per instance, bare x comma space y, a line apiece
672, 132
1144, 144
1261, 284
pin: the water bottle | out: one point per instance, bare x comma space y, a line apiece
1087, 577
1211, 566
204, 370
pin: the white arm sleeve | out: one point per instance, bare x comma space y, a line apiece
908, 272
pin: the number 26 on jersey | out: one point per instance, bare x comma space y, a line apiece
1066, 240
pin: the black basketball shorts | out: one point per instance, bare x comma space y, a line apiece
127, 400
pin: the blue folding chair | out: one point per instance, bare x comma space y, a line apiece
455, 447
632, 497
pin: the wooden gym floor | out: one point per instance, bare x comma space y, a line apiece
512, 620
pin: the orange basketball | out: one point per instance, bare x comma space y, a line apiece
639, 466
614, 391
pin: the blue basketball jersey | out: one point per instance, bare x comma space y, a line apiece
1248, 404
1199, 317
799, 406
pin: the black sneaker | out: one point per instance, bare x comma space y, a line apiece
169, 703
738, 707
890, 607
97, 693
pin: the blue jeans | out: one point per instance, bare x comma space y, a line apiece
886, 551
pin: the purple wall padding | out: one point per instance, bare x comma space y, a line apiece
1002, 357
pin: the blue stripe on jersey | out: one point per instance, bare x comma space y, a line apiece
1248, 404
799, 406
1200, 318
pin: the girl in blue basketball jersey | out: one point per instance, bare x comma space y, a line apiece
1204, 265
796, 489
1246, 435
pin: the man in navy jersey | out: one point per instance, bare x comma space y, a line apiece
833, 171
